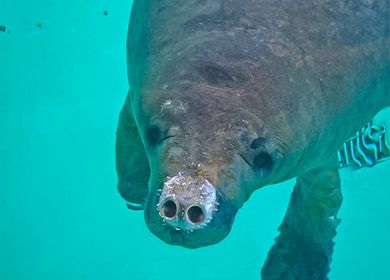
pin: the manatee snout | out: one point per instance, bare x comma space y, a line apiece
202, 175
189, 211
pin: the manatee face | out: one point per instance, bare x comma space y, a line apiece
207, 152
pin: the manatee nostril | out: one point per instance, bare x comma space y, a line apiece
195, 214
169, 209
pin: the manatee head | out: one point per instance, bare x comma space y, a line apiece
215, 111
208, 151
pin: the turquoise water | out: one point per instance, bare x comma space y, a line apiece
62, 84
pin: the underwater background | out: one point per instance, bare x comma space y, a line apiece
62, 83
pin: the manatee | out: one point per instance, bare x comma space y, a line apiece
226, 97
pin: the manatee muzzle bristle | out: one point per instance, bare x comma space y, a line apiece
188, 201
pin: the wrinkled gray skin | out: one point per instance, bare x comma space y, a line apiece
249, 93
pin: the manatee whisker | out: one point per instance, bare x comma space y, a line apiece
165, 138
246, 161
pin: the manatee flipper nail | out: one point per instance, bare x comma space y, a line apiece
304, 248
131, 161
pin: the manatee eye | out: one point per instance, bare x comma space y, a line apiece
153, 134
263, 161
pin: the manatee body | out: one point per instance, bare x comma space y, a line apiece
228, 96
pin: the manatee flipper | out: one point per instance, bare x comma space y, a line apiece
304, 247
131, 162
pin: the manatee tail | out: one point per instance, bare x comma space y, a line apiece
368, 147
303, 250
131, 162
